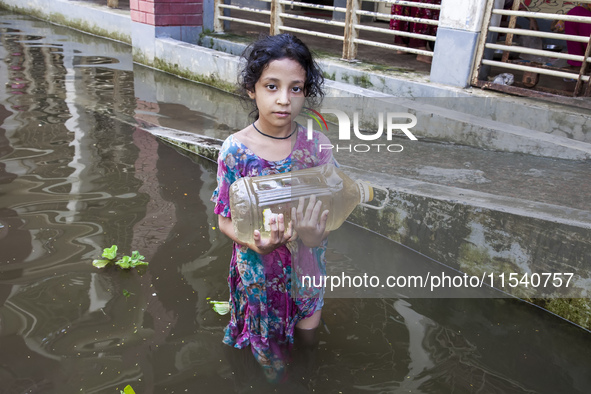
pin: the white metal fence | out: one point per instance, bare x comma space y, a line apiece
548, 61
279, 16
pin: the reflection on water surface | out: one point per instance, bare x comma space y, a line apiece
77, 175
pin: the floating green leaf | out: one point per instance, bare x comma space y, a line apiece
127, 390
101, 263
134, 260
110, 253
137, 259
221, 307
125, 262
135, 255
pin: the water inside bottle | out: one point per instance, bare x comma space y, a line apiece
256, 201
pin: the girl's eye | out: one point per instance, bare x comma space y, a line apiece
271, 87
297, 89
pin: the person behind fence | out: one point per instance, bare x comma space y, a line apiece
576, 29
278, 75
413, 27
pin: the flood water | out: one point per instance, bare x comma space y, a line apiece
77, 175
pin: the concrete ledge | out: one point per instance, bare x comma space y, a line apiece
549, 118
197, 63
480, 234
435, 122
389, 82
98, 20
205, 147
465, 129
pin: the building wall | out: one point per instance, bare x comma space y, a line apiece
167, 12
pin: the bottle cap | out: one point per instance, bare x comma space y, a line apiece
366, 191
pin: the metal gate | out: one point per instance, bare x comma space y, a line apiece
543, 61
278, 18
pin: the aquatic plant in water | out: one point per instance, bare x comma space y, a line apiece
125, 262
221, 307
127, 390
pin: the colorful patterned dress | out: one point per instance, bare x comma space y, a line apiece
263, 314
412, 27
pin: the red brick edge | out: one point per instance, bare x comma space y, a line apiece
167, 12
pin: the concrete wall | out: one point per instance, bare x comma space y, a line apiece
476, 232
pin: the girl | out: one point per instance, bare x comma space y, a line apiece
278, 74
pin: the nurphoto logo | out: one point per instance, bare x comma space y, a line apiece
394, 121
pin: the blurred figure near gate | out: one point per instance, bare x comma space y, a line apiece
578, 29
413, 27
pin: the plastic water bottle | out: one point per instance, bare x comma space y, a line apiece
255, 200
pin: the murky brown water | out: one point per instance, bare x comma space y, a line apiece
77, 175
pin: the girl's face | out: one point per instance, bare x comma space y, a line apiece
279, 93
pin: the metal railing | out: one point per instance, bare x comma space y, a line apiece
531, 69
348, 31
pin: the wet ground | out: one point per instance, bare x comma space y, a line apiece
77, 175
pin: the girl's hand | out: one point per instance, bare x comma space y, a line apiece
310, 224
279, 236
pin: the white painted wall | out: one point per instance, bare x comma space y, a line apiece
462, 14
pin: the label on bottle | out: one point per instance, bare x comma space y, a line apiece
267, 216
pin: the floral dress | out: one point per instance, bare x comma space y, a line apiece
263, 313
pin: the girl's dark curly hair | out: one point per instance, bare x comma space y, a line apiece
263, 51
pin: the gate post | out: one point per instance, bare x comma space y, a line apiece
351, 33
460, 23
276, 20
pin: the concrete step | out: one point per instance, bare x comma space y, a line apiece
573, 122
449, 120
555, 119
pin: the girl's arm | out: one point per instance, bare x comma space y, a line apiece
279, 235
